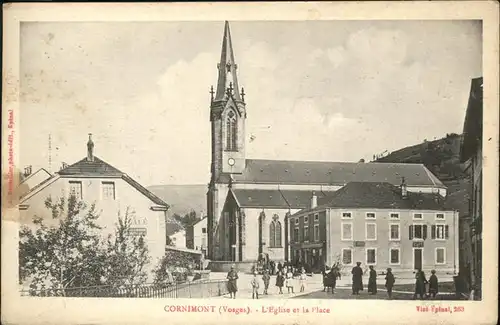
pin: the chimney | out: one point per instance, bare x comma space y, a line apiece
404, 190
314, 200
27, 171
90, 149
64, 165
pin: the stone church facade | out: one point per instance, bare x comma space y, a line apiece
249, 200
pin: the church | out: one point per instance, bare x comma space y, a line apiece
249, 201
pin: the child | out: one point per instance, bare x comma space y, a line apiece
302, 280
389, 282
433, 284
289, 280
266, 278
280, 279
255, 286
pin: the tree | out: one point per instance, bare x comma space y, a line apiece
73, 253
171, 261
65, 255
127, 254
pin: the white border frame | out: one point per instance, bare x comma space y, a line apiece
415, 213
413, 257
399, 231
399, 255
418, 224
366, 255
444, 232
352, 255
342, 231
438, 219
366, 231
444, 255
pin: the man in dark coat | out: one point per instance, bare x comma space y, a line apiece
372, 281
389, 282
232, 286
357, 279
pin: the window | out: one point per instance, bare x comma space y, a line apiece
231, 132
370, 215
394, 232
394, 215
306, 233
371, 231
108, 190
203, 230
316, 232
346, 215
418, 216
371, 256
306, 219
316, 217
394, 256
275, 234
296, 221
439, 216
440, 232
346, 256
346, 231
296, 235
440, 255
418, 232
75, 188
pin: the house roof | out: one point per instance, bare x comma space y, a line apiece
289, 199
473, 124
380, 195
97, 167
459, 201
334, 173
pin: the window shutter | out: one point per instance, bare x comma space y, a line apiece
410, 235
424, 232
433, 232
446, 233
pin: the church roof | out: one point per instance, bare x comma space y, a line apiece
227, 68
287, 199
334, 173
381, 195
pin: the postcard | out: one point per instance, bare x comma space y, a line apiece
274, 163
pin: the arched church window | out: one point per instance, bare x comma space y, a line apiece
275, 232
231, 132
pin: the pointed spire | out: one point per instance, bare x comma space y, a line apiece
227, 69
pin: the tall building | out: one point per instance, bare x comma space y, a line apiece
249, 200
471, 154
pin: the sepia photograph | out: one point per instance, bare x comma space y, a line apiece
250, 160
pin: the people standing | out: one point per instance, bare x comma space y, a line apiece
325, 278
289, 280
255, 286
433, 284
302, 280
266, 278
280, 279
357, 279
420, 282
332, 279
232, 285
389, 282
280, 267
372, 281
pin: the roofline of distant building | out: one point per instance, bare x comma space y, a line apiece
32, 174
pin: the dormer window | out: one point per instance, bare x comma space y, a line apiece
231, 132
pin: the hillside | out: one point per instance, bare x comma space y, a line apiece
183, 198
440, 156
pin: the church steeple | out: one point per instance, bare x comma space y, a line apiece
227, 83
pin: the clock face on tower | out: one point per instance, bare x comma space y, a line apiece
230, 162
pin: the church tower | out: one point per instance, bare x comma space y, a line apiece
227, 115
227, 118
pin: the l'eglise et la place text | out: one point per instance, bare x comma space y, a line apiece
286, 310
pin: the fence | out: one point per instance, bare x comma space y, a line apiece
197, 289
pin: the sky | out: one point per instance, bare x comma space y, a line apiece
315, 90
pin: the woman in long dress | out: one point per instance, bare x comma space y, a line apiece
289, 280
420, 282
280, 280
